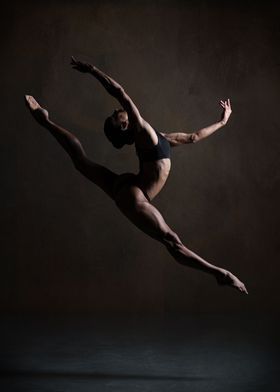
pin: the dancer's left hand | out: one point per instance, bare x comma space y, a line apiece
227, 110
80, 66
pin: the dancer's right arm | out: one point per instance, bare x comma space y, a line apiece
112, 87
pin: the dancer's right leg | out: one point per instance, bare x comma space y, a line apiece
134, 205
98, 174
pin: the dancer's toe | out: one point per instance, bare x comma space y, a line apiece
40, 114
31, 102
227, 278
243, 289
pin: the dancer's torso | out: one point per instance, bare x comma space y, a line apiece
153, 151
152, 177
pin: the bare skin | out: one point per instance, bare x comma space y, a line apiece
133, 193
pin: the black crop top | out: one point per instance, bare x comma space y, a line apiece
155, 153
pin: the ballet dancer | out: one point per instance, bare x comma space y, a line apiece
133, 193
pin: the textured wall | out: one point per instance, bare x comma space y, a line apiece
65, 245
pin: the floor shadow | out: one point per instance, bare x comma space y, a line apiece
99, 375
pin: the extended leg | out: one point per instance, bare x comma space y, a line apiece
96, 173
147, 218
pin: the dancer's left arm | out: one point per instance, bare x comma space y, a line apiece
178, 138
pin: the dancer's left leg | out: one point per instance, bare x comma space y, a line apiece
98, 174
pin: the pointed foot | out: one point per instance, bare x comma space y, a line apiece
226, 278
31, 102
40, 114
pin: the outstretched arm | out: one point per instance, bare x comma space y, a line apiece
111, 86
178, 138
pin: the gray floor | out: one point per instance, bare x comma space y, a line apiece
126, 353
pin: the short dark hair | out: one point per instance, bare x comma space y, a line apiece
112, 133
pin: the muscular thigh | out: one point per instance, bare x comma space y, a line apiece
135, 206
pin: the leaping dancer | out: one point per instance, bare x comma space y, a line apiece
133, 193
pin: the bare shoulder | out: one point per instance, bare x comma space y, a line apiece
145, 129
145, 125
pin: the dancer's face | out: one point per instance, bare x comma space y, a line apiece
118, 130
120, 118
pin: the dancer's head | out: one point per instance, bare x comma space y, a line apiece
116, 128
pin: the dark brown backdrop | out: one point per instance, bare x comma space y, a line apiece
65, 246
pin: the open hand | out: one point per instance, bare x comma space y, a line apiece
227, 110
80, 66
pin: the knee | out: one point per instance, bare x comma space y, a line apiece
77, 153
171, 240
79, 162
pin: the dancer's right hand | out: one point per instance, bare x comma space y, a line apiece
80, 66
